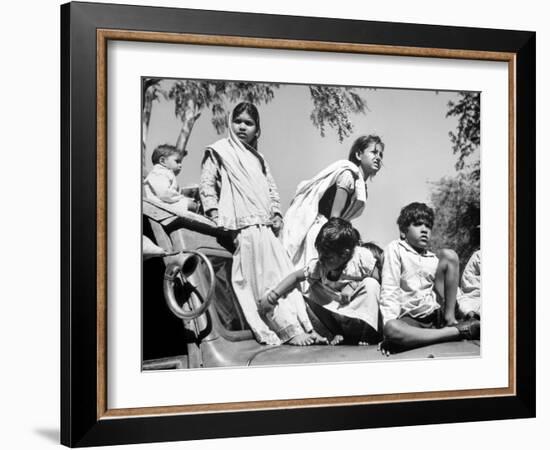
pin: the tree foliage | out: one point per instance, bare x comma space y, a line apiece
466, 139
456, 199
332, 106
192, 97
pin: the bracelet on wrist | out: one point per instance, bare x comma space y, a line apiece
273, 291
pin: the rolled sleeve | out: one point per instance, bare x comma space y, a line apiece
209, 183
273, 193
346, 181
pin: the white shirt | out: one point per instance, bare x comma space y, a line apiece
408, 279
469, 300
162, 188
161, 184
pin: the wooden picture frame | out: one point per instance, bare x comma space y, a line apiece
86, 418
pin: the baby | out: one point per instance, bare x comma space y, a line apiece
161, 185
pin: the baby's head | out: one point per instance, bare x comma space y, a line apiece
336, 243
415, 225
169, 157
378, 254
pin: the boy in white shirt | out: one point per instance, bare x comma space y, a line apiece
161, 184
419, 288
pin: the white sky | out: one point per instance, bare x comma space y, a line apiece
411, 123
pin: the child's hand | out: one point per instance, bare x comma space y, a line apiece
268, 302
345, 296
276, 224
345, 299
213, 215
192, 206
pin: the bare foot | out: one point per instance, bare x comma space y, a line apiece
337, 339
450, 320
318, 339
384, 348
365, 343
302, 339
269, 338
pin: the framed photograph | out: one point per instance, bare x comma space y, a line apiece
275, 224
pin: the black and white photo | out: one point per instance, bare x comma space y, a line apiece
301, 223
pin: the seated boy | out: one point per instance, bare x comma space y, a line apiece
161, 185
419, 288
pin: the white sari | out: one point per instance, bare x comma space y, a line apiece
303, 221
260, 260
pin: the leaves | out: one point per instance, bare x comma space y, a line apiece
332, 106
456, 201
467, 138
198, 95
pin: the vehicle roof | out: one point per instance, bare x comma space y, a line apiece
287, 354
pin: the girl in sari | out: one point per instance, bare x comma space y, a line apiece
239, 194
337, 191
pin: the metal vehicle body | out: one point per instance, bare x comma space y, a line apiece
216, 333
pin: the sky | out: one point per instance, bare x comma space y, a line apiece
411, 123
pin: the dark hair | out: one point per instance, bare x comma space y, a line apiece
252, 111
337, 235
163, 150
415, 213
376, 251
361, 143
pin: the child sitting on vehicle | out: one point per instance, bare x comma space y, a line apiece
161, 185
342, 292
419, 288
469, 302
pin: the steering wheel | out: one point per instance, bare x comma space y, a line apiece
182, 271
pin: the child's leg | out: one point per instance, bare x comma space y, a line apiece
324, 322
403, 335
446, 283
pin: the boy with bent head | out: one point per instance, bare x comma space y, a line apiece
419, 288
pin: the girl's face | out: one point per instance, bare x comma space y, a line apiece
245, 128
371, 159
334, 260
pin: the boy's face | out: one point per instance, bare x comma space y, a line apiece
418, 235
172, 162
332, 260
